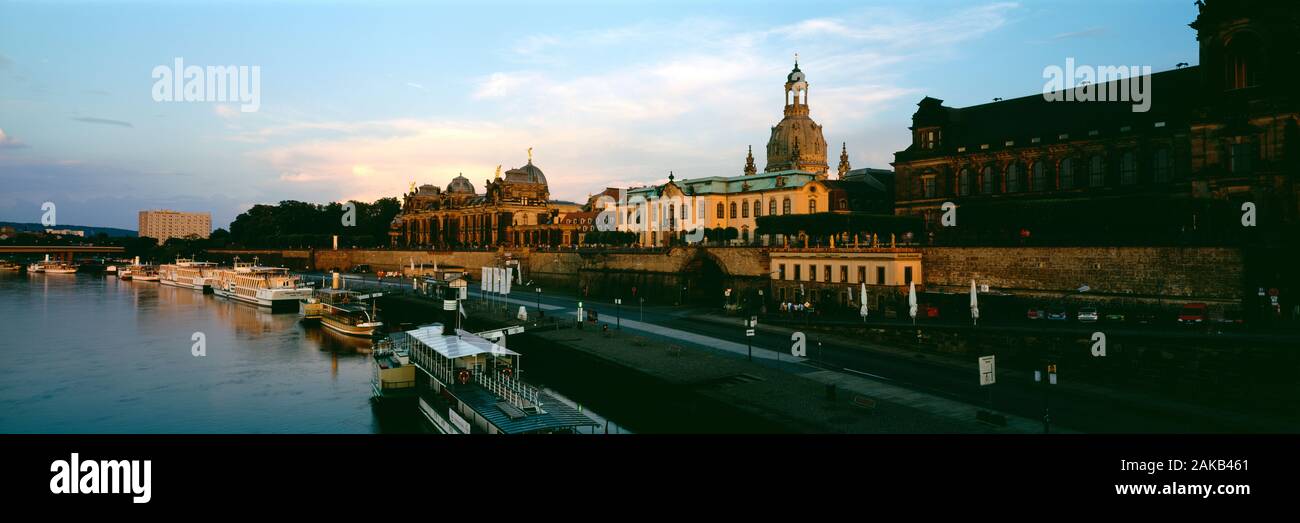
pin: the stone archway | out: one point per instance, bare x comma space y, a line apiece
702, 280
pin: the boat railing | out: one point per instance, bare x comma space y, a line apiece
510, 389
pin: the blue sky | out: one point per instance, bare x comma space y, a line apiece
360, 99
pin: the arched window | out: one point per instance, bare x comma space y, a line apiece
964, 183
812, 206
986, 181
686, 210
672, 214
1242, 62
1160, 167
721, 211
1128, 168
771, 207
844, 204
1013, 177
744, 209
785, 206
1067, 174
1096, 172
733, 210
1038, 178
758, 208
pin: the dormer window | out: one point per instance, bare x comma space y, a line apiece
929, 138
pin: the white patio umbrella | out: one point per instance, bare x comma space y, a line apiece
974, 304
863, 297
911, 301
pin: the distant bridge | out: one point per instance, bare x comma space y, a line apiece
63, 252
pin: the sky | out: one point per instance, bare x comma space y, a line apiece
359, 99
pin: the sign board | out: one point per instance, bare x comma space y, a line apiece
458, 422
1052, 378
749, 332
753, 321
448, 305
463, 293
988, 374
618, 301
516, 329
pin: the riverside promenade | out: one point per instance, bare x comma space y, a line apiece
790, 392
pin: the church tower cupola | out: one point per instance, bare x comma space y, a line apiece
797, 143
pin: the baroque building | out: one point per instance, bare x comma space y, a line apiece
796, 143
1216, 136
512, 210
795, 181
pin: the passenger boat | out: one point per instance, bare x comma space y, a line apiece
272, 287
466, 384
190, 274
58, 268
8, 266
347, 312
144, 273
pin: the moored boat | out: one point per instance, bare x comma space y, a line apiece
347, 312
273, 287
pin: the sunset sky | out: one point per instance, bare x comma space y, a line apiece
360, 99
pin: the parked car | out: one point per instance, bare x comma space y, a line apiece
1087, 314
1036, 313
1193, 314
1115, 316
1229, 320
361, 269
1058, 314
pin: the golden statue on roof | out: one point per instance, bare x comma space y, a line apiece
530, 155
498, 172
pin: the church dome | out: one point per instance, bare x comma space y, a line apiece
526, 174
460, 185
797, 142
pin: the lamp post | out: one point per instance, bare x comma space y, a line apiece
539, 302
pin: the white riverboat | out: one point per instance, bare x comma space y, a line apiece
464, 383
273, 287
189, 274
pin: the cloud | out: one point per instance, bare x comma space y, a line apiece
417, 86
1086, 33
692, 106
9, 142
104, 121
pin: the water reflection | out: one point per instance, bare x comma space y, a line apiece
100, 355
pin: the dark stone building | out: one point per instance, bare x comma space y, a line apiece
1215, 137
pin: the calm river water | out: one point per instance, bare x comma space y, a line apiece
92, 354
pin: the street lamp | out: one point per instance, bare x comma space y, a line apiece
539, 302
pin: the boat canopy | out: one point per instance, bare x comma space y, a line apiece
463, 345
